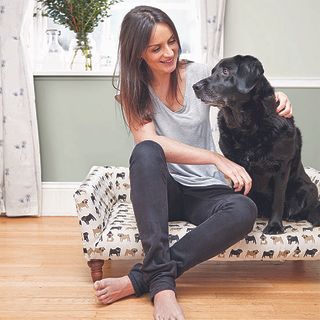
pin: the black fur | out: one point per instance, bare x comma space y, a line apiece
267, 145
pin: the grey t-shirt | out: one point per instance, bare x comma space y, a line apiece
189, 125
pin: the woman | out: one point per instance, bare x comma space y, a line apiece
175, 172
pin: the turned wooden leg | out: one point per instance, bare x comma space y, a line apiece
96, 269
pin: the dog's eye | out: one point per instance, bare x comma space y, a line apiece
225, 71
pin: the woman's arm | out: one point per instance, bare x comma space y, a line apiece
284, 109
177, 152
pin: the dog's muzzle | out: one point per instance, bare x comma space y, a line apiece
198, 88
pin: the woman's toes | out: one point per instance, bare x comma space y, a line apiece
103, 297
101, 292
112, 289
96, 285
106, 301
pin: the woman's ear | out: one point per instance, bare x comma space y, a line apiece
248, 73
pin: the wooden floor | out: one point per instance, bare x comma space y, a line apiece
43, 275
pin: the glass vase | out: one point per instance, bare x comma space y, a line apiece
82, 57
54, 59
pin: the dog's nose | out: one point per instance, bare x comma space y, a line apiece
198, 86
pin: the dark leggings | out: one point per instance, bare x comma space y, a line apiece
222, 217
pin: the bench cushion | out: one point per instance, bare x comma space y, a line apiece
109, 229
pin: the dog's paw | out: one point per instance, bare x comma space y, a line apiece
274, 228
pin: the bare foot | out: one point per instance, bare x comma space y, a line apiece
166, 306
109, 290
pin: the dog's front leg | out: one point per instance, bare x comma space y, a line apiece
275, 225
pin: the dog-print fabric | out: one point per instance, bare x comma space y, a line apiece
109, 229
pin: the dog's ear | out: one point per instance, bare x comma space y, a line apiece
249, 71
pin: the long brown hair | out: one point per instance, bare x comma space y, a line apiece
134, 73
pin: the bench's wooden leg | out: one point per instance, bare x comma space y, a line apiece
96, 269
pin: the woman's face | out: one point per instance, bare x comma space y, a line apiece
162, 51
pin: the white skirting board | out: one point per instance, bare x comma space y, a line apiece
57, 198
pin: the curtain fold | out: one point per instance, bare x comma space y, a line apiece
212, 30
19, 142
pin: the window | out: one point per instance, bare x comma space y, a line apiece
53, 44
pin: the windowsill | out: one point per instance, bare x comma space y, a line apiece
277, 82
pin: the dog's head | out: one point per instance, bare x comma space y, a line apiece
231, 80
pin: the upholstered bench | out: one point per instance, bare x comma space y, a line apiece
109, 230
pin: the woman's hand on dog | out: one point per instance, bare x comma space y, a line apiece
238, 175
284, 108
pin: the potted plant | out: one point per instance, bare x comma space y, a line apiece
81, 17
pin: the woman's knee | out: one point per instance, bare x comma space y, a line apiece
247, 211
147, 152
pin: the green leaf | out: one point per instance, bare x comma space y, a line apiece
80, 16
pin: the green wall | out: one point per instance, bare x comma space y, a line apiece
80, 125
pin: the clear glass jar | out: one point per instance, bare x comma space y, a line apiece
81, 57
54, 59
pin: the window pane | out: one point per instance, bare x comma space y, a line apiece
104, 40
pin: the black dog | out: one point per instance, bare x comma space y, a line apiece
267, 145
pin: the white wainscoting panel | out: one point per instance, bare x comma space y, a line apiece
57, 198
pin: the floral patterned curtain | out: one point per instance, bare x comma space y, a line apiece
20, 179
212, 30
